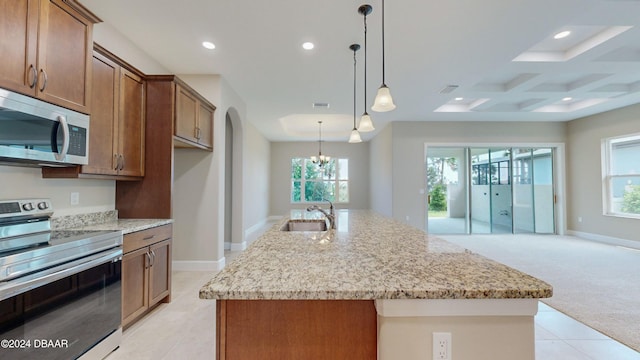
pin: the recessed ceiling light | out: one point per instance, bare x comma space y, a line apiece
208, 45
567, 98
307, 46
459, 99
562, 34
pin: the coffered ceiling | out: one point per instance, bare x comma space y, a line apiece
456, 60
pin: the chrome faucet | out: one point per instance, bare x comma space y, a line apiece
330, 216
331, 210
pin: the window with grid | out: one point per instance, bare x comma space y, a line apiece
311, 183
621, 176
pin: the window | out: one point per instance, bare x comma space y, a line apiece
310, 183
621, 176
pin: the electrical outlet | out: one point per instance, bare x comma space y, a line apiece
580, 219
441, 346
75, 198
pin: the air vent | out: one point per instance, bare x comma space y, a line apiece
320, 105
447, 89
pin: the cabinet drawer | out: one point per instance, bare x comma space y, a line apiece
147, 237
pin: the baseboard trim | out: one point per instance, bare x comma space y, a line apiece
610, 240
227, 246
255, 227
238, 247
178, 265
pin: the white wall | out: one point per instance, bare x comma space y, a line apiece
585, 174
283, 152
22, 182
111, 39
408, 146
381, 170
257, 179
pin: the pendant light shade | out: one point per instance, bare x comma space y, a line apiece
355, 135
383, 101
366, 124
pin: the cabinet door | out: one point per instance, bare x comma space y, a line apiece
105, 90
135, 284
205, 124
64, 56
160, 271
18, 41
186, 114
131, 120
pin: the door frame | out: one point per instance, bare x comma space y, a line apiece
559, 174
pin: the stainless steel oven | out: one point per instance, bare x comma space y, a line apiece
60, 291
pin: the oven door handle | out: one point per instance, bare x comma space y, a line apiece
23, 284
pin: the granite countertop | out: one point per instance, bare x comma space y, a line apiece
367, 256
127, 225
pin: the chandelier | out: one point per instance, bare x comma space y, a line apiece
320, 160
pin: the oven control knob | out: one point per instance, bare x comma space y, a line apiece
43, 205
27, 206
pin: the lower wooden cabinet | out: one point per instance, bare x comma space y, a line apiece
146, 271
296, 329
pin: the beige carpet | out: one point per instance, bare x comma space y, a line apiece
597, 284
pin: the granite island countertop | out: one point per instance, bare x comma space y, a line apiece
368, 256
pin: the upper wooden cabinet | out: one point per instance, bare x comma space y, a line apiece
193, 119
46, 50
117, 130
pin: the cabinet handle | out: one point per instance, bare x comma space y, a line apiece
45, 79
121, 162
148, 264
153, 257
149, 237
117, 161
34, 76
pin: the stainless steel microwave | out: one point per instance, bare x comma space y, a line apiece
37, 133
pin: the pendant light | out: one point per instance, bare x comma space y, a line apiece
320, 160
355, 135
366, 124
383, 101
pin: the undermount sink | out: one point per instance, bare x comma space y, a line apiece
307, 225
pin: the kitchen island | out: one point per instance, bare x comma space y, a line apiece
373, 287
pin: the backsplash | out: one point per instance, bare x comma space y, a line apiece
79, 220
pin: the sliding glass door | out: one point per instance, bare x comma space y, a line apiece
446, 186
490, 190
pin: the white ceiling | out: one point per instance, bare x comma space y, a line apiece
500, 53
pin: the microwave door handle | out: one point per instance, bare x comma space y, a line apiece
65, 142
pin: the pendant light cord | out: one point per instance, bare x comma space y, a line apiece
319, 138
383, 67
365, 63
354, 89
